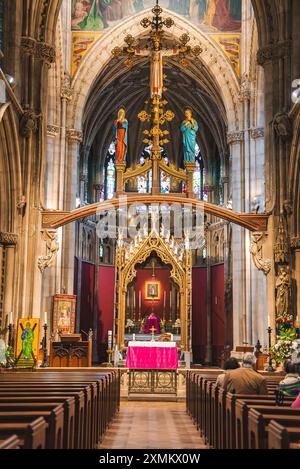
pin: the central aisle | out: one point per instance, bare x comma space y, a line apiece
152, 425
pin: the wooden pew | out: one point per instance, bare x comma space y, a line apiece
259, 418
52, 391
11, 442
281, 437
52, 413
242, 407
69, 412
105, 390
32, 435
40, 395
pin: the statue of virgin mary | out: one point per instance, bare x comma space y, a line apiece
121, 136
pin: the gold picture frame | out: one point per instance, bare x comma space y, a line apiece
28, 336
152, 290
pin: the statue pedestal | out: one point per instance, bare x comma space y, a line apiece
190, 169
120, 169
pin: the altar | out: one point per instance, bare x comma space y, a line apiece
152, 355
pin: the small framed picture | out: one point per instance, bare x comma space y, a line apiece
64, 314
152, 291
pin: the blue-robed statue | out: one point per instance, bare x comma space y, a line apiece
189, 129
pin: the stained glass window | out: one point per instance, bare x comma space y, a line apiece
142, 184
197, 180
110, 179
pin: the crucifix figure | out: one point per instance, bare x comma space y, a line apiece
156, 65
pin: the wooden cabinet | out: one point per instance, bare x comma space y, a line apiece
71, 354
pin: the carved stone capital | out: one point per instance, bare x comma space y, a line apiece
273, 52
40, 50
8, 239
52, 248
52, 130
257, 133
29, 122
74, 135
45, 52
234, 138
28, 45
209, 188
225, 180
262, 264
282, 125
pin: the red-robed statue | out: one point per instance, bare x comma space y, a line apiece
152, 321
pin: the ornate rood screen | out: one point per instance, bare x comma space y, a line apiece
156, 136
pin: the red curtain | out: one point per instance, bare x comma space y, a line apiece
87, 296
162, 275
199, 316
217, 310
105, 307
199, 327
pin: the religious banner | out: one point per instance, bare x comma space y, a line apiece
28, 333
64, 314
152, 291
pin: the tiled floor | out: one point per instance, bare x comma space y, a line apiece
152, 425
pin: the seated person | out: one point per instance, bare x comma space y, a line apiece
152, 321
245, 380
290, 385
230, 364
296, 403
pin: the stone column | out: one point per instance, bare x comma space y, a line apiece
68, 232
8, 242
235, 141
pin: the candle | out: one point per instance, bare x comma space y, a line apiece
134, 299
109, 341
165, 293
10, 317
140, 299
45, 317
269, 322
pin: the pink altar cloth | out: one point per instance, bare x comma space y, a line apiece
152, 355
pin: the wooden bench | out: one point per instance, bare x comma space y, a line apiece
101, 399
259, 419
282, 437
11, 442
32, 435
242, 408
52, 413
